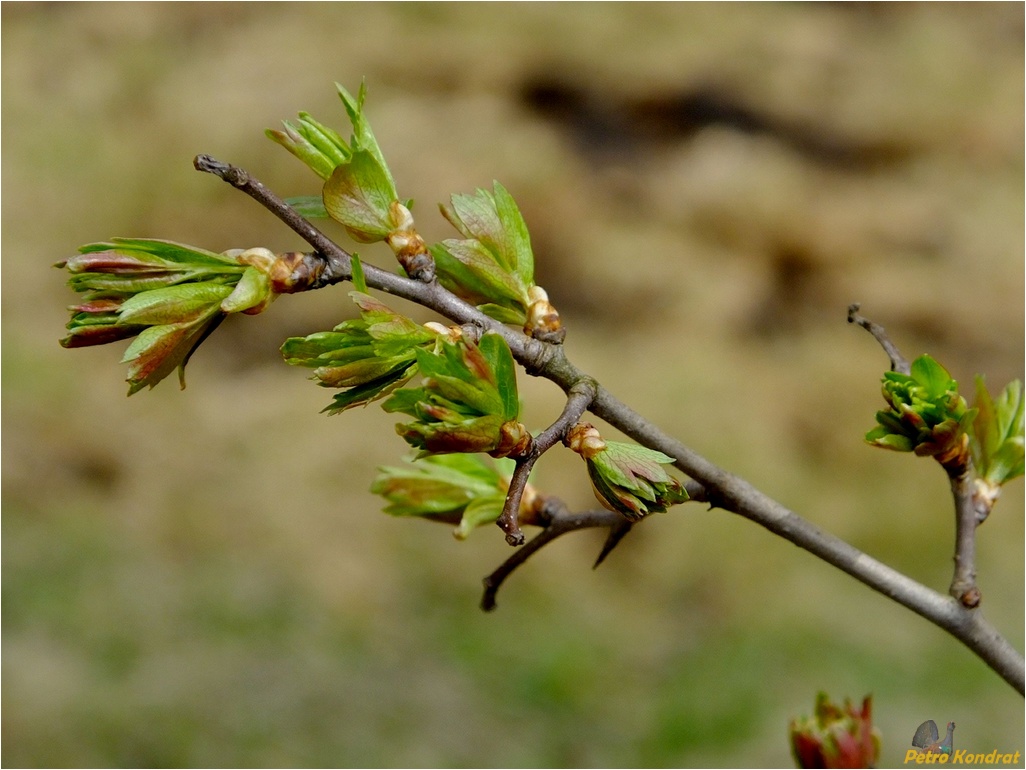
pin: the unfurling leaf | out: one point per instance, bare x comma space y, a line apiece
468, 401
463, 489
493, 265
359, 194
367, 357
171, 295
626, 478
996, 440
926, 415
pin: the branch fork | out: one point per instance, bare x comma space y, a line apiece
579, 398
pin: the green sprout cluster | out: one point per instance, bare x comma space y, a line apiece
365, 358
996, 440
492, 266
467, 403
925, 413
468, 490
168, 296
927, 416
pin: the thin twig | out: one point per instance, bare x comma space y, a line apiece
898, 362
719, 488
963, 584
562, 522
579, 397
338, 261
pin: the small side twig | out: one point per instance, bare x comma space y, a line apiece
579, 398
338, 265
562, 522
898, 362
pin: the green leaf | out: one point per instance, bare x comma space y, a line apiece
363, 137
475, 216
309, 206
481, 511
166, 250
516, 241
881, 437
502, 314
359, 195
327, 141
361, 395
479, 434
293, 140
159, 350
313, 349
436, 484
932, 376
361, 371
252, 290
174, 304
359, 280
997, 435
483, 276
500, 360
448, 487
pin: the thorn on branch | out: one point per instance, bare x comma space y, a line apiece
562, 522
617, 532
898, 362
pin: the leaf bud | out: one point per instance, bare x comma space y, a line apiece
408, 246
542, 317
626, 478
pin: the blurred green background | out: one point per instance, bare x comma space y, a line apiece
200, 578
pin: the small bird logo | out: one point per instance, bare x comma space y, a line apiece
928, 740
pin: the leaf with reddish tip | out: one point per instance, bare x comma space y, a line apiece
159, 350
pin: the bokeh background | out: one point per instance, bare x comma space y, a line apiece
200, 578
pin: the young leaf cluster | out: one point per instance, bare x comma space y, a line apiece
492, 266
468, 490
366, 358
925, 413
167, 295
468, 402
359, 191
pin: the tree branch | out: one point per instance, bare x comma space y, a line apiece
720, 488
